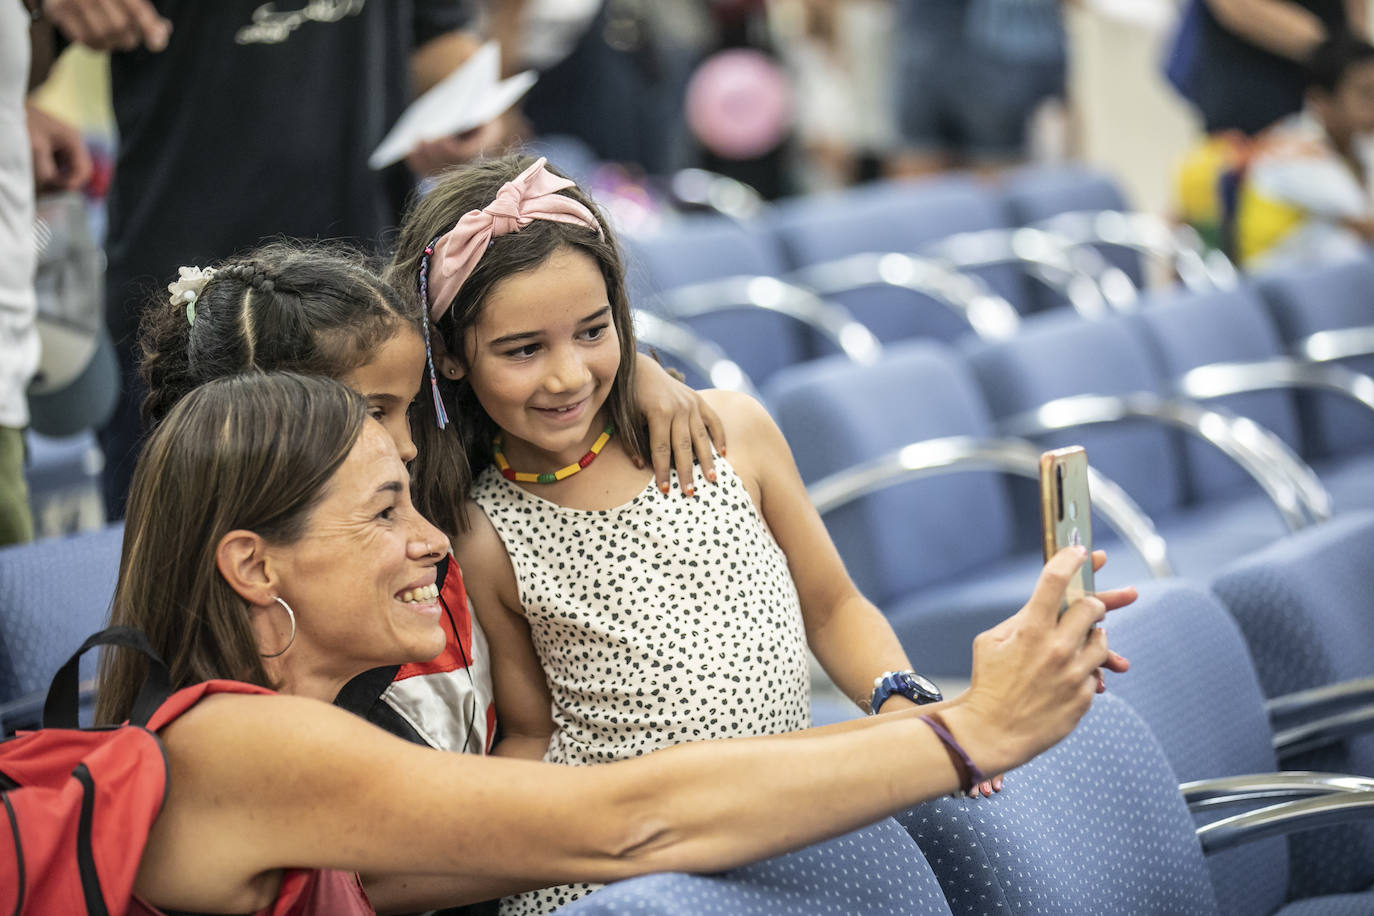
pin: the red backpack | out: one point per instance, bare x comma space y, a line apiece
79, 802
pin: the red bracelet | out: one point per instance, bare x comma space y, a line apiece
969, 774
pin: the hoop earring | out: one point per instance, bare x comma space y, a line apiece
289, 613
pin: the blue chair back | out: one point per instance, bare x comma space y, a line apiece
1306, 607
1035, 193
53, 594
876, 871
1192, 681
1188, 330
704, 248
836, 414
1094, 825
1058, 355
1327, 298
904, 216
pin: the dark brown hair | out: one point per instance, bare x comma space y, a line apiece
252, 451
440, 468
306, 307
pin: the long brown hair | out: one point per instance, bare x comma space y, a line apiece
440, 471
250, 451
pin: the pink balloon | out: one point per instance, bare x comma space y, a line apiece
739, 104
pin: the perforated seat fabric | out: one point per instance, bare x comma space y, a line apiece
705, 248
53, 594
1331, 297
1192, 682
1094, 825
877, 871
1306, 604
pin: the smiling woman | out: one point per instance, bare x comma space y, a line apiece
271, 539
277, 580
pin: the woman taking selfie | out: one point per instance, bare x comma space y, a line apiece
271, 539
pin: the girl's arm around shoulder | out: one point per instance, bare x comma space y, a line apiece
522, 693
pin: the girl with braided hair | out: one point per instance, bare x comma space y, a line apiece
318, 309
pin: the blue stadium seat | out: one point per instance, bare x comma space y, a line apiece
63, 477
716, 276
1210, 343
53, 594
1097, 824
940, 556
876, 871
1193, 682
1109, 371
1323, 314
829, 234
1094, 825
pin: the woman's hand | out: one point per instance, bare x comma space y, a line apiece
1035, 674
681, 425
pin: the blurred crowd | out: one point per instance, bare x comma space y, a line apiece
240, 121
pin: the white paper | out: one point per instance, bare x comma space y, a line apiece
468, 97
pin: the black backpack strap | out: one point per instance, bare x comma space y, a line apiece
60, 709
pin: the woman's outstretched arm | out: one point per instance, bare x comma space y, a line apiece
259, 783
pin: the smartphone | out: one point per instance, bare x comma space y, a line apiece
1066, 513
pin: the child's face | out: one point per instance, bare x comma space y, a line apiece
543, 356
390, 382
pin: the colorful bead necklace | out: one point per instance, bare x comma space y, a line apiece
550, 476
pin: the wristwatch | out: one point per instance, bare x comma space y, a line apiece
919, 690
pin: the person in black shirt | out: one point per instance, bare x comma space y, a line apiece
241, 120
1248, 70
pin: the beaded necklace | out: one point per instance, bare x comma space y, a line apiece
504, 467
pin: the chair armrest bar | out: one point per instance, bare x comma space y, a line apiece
1013, 456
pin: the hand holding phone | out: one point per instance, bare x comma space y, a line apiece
1066, 513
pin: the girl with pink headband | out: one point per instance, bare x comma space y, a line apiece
622, 618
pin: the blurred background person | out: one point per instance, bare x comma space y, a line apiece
37, 152
968, 77
1305, 196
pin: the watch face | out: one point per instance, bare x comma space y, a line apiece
923, 685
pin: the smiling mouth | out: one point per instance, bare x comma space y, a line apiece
422, 595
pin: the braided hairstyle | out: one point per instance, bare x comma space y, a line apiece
310, 308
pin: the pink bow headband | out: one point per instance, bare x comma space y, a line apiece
531, 195
451, 258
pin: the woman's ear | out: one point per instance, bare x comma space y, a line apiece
241, 558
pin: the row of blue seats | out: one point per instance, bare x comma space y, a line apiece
1167, 799
894, 260
946, 554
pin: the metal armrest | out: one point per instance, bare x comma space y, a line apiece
1013, 456
988, 314
1217, 380
1321, 731
1288, 785
1288, 817
1325, 346
1261, 454
1153, 236
1066, 269
832, 321
702, 355
1320, 701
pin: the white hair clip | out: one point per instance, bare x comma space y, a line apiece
188, 287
